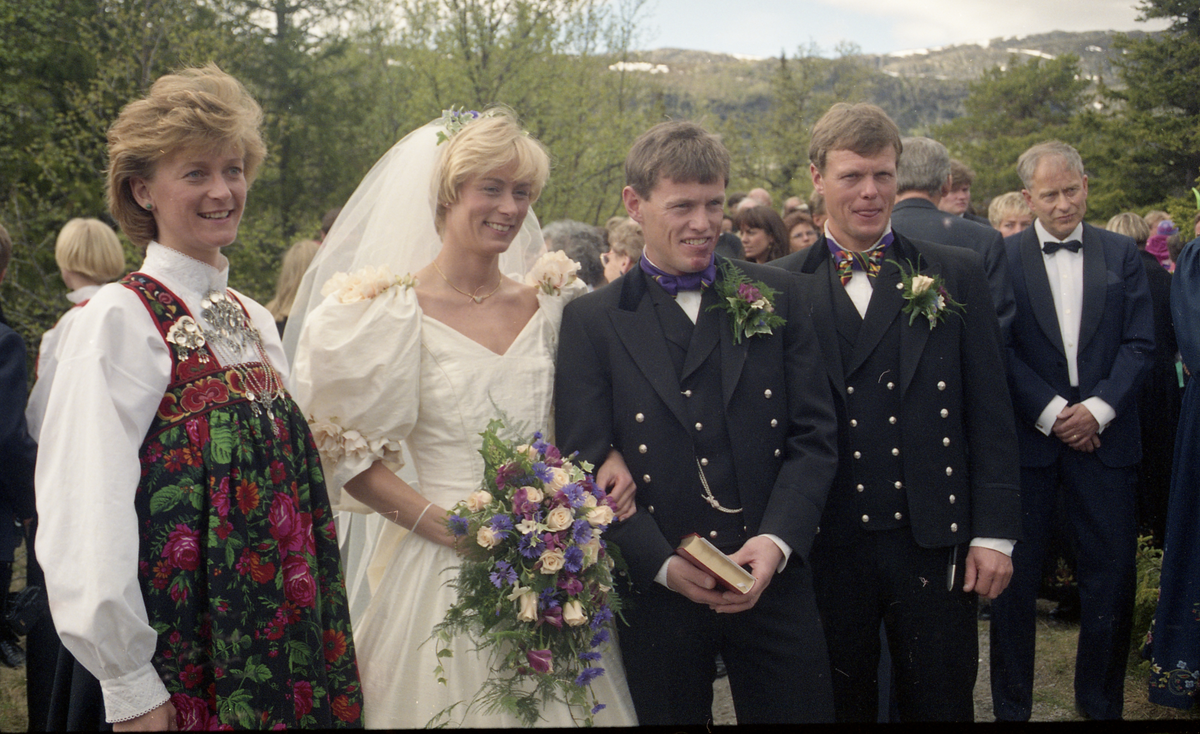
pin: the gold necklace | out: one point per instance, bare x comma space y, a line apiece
473, 295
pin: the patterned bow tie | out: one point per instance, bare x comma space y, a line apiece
847, 262
1052, 247
684, 281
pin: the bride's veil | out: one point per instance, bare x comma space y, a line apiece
388, 220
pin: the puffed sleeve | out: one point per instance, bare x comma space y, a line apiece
113, 368
357, 373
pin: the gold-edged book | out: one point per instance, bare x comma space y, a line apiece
705, 556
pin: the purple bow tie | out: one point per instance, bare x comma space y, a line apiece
684, 282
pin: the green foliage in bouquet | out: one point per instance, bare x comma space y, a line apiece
535, 589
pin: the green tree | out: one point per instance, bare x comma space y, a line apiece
1010, 108
1159, 105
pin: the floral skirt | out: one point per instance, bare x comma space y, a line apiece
239, 567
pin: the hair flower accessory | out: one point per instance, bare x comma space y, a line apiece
925, 295
454, 120
747, 302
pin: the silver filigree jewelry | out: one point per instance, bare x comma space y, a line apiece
185, 334
230, 335
708, 495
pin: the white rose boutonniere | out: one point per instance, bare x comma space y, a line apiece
925, 295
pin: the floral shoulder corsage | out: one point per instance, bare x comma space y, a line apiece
553, 272
747, 302
925, 295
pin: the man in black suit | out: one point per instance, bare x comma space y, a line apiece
1079, 345
922, 179
924, 510
17, 456
727, 435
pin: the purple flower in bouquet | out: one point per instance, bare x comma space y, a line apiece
599, 638
581, 532
573, 559
571, 585
506, 474
542, 472
531, 546
587, 675
540, 660
458, 525
588, 657
598, 708
504, 574
573, 494
602, 617
501, 523
552, 615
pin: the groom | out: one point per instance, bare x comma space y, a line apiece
732, 441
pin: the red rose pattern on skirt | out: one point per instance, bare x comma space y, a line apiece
239, 561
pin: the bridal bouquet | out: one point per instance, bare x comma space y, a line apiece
535, 589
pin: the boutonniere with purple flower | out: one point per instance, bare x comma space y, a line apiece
748, 303
925, 295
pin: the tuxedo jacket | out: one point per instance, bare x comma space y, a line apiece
1116, 343
958, 445
617, 386
919, 219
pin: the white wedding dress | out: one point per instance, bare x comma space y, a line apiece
371, 373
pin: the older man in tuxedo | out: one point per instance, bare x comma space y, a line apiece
922, 179
924, 510
727, 434
1079, 345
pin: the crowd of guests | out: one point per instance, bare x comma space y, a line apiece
918, 453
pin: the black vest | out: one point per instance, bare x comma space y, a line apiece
706, 421
876, 474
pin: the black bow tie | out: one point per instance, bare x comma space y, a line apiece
1052, 247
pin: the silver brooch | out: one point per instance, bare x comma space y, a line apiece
185, 334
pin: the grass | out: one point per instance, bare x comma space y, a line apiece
14, 714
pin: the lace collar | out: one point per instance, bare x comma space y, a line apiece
193, 276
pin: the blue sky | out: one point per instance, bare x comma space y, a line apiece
767, 27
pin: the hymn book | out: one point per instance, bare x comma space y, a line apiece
705, 556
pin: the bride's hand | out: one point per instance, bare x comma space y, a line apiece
614, 477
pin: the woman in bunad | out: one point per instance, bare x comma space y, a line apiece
185, 532
429, 360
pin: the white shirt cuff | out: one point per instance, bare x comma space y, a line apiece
1045, 421
1101, 411
133, 694
1002, 545
661, 576
787, 550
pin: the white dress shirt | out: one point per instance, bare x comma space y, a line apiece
1064, 270
113, 369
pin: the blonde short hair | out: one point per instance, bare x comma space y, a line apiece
193, 108
1132, 225
1005, 205
626, 238
90, 248
493, 141
291, 272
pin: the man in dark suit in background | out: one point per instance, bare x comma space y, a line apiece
17, 456
922, 179
1078, 348
924, 510
727, 435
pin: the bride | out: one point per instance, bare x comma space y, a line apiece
428, 361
